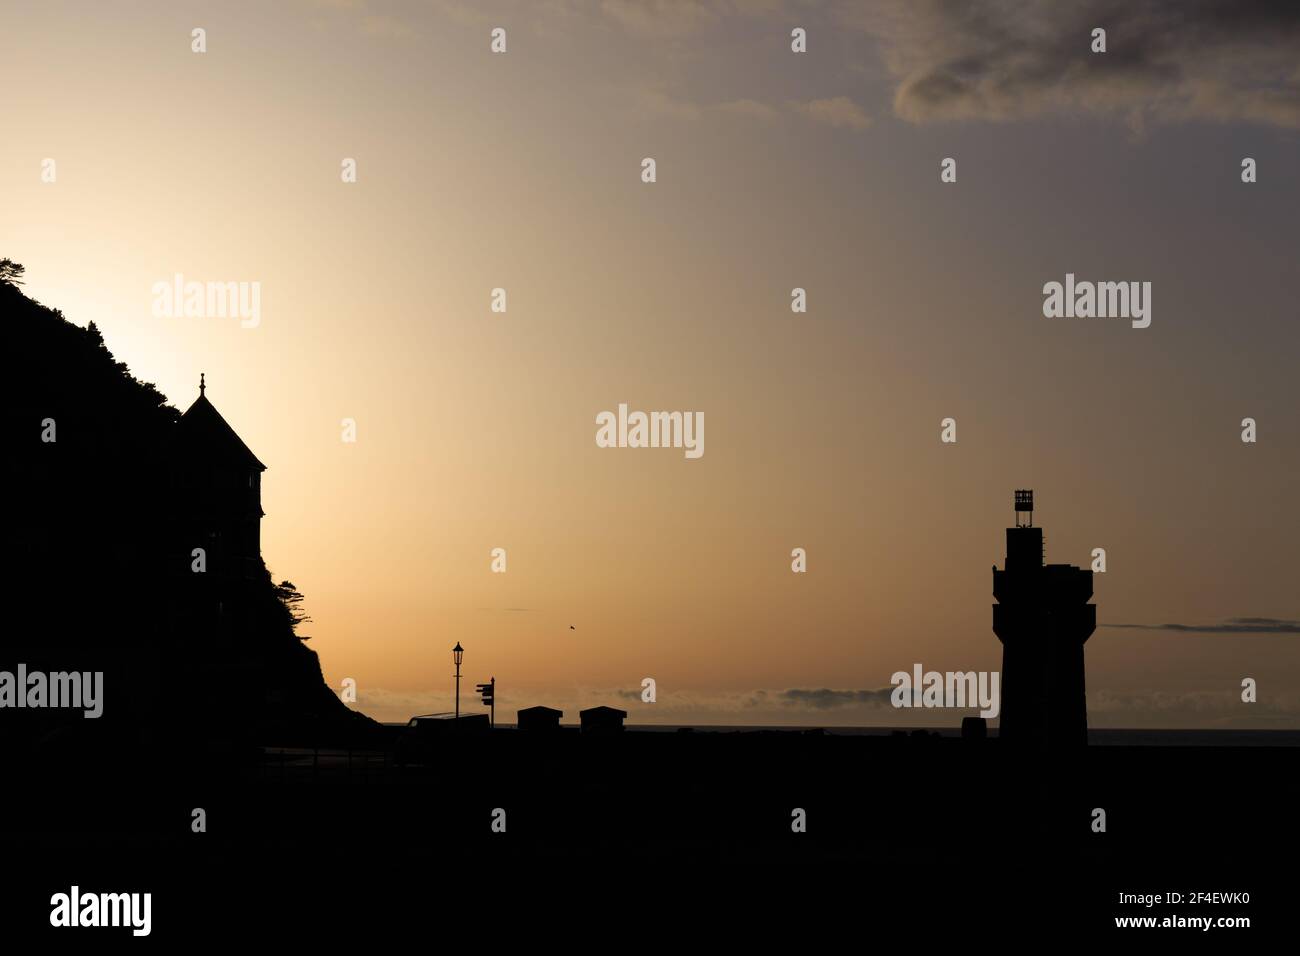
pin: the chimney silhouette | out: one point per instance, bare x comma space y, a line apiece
1042, 619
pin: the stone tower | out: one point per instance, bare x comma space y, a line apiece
1042, 619
219, 489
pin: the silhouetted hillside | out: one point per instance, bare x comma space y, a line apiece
98, 571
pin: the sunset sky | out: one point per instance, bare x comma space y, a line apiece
775, 170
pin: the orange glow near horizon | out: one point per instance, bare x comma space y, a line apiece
476, 430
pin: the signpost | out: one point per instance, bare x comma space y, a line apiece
489, 698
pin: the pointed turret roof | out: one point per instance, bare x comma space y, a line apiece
205, 434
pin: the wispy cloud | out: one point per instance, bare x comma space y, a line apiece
825, 699
1168, 60
1233, 625
747, 107
661, 18
1001, 60
384, 25
837, 111
1192, 708
371, 18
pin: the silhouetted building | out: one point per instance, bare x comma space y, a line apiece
1042, 619
539, 719
602, 720
443, 724
219, 492
974, 728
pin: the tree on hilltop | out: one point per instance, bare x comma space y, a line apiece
11, 273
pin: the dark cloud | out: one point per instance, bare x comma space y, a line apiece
1233, 625
825, 698
1206, 708
1168, 60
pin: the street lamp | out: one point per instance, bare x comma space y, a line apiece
458, 654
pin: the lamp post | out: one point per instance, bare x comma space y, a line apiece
458, 653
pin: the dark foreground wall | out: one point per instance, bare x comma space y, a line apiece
660, 830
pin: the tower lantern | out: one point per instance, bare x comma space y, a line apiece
1024, 504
